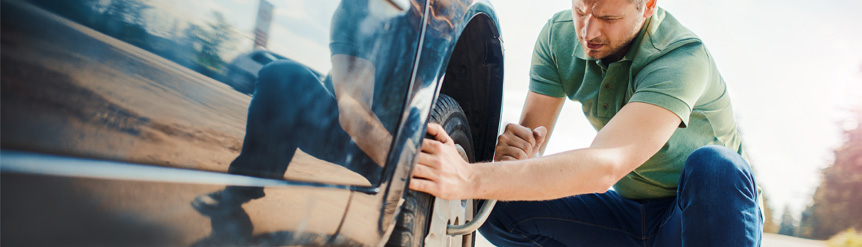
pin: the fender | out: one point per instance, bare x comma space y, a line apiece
461, 55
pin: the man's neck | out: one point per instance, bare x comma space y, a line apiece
618, 55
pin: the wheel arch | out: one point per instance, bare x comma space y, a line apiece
473, 76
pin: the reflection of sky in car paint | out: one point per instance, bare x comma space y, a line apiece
299, 30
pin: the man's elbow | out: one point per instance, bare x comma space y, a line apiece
612, 170
604, 184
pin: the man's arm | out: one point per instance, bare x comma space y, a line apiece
353, 81
524, 141
636, 133
541, 111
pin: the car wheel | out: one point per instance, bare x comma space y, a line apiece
414, 222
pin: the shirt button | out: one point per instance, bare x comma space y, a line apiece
607, 86
605, 106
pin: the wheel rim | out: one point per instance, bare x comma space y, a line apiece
446, 212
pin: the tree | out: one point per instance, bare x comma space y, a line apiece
124, 20
837, 203
769, 226
212, 41
788, 224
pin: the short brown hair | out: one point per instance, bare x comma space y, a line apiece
639, 4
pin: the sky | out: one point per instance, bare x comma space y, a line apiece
793, 69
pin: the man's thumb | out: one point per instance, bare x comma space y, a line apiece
540, 133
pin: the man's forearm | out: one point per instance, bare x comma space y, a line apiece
555, 176
365, 129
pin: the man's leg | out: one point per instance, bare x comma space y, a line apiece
286, 98
291, 108
717, 197
585, 220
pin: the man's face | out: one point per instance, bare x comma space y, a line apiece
606, 27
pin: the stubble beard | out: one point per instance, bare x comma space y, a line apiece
617, 49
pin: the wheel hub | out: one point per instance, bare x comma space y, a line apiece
446, 212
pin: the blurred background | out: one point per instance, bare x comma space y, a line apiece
794, 72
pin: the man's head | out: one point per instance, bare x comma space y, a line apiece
606, 28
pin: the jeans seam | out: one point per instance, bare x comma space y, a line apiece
512, 228
643, 225
528, 239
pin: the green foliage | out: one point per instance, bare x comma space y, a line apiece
848, 238
212, 41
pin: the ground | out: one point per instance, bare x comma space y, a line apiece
769, 240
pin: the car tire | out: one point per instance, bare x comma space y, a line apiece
413, 221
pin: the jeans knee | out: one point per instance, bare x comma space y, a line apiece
713, 170
713, 160
494, 229
284, 73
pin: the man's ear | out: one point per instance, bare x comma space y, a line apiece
649, 9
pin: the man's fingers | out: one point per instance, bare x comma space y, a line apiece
439, 133
426, 172
508, 151
430, 146
509, 140
427, 159
423, 185
540, 134
523, 132
507, 157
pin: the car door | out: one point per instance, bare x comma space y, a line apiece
120, 118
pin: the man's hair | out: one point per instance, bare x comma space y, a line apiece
639, 4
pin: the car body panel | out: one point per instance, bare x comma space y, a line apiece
447, 20
127, 128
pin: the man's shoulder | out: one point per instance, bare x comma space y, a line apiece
560, 31
666, 32
562, 16
664, 35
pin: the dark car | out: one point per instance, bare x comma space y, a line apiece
242, 69
117, 128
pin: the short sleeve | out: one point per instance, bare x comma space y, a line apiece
544, 75
674, 81
346, 36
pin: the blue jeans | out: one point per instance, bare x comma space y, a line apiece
715, 205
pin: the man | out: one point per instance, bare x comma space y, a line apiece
345, 117
666, 142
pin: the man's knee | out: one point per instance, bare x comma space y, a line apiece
495, 229
492, 226
711, 170
285, 73
717, 161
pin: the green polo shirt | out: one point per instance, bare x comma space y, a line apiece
667, 66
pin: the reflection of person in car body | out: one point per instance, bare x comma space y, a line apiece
345, 118
666, 142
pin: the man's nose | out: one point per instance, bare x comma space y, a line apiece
591, 29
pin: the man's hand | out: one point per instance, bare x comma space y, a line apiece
518, 142
440, 170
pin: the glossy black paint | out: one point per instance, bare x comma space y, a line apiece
109, 198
